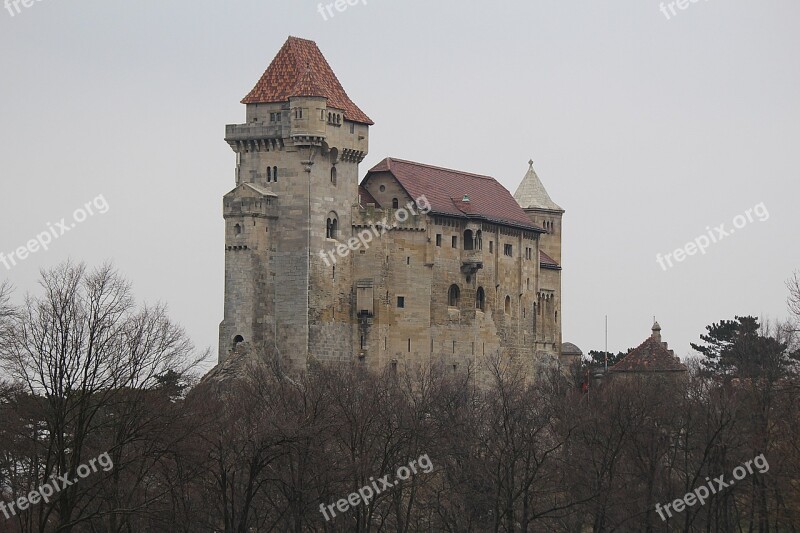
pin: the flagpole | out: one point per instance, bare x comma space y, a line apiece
606, 343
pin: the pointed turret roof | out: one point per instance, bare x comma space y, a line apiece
650, 356
300, 69
531, 194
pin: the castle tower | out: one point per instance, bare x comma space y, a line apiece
297, 160
544, 212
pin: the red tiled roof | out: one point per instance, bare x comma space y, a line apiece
300, 69
366, 197
650, 356
445, 190
547, 261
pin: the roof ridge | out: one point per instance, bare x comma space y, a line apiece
295, 38
454, 171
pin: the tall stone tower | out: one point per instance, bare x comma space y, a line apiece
297, 160
544, 212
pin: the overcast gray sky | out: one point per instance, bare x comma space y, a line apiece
646, 129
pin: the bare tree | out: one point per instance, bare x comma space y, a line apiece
793, 300
90, 356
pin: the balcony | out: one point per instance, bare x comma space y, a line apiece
471, 261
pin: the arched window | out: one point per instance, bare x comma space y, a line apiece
480, 299
395, 203
275, 174
468, 240
237, 229
479, 240
508, 305
237, 340
269, 174
453, 296
333, 175
332, 226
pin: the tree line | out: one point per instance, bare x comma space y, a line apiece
89, 371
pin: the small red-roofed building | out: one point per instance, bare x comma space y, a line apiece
652, 358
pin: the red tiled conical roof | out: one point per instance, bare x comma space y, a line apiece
300, 69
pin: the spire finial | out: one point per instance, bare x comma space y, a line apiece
530, 163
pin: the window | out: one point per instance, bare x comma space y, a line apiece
238, 339
269, 174
332, 226
237, 229
469, 243
455, 241
480, 299
479, 240
382, 188
508, 250
395, 203
453, 296
491, 247
508, 305
438, 239
409, 345
401, 302
275, 174
333, 175
352, 128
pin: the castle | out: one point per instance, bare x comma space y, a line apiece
455, 268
